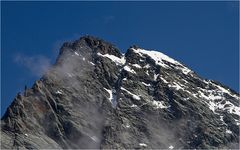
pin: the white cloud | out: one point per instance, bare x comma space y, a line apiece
37, 65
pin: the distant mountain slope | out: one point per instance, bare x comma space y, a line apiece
96, 97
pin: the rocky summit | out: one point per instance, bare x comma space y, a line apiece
96, 97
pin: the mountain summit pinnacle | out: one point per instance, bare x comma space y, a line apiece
96, 97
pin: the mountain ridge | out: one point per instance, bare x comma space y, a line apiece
96, 97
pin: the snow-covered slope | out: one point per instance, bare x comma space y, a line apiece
212, 94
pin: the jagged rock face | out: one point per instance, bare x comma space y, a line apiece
96, 97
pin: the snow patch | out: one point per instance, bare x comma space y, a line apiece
165, 81
223, 90
59, 92
143, 144
176, 86
127, 68
117, 60
70, 74
228, 131
155, 77
76, 53
227, 105
159, 104
133, 106
221, 118
146, 84
210, 96
212, 106
136, 97
133, 95
92, 63
237, 121
136, 65
157, 56
127, 126
159, 59
170, 147
112, 97
110, 94
186, 71
147, 73
146, 66
94, 138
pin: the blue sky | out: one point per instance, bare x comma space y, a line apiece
202, 35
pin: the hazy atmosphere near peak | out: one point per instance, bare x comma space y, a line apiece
202, 35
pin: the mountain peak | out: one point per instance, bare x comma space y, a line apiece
95, 97
92, 42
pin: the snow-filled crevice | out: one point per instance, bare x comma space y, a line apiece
118, 84
112, 97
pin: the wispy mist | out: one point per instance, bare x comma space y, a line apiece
37, 64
